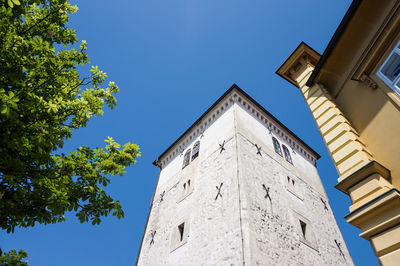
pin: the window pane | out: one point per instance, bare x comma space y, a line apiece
287, 154
277, 146
392, 67
186, 158
195, 152
397, 87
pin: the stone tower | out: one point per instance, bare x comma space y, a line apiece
239, 188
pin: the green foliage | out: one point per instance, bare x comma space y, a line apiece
13, 258
42, 99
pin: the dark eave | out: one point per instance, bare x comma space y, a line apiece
335, 38
233, 87
302, 50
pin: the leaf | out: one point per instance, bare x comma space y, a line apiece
42, 100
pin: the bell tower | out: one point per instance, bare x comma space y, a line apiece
239, 188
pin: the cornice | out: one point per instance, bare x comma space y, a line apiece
234, 96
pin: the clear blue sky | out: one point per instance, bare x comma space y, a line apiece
172, 59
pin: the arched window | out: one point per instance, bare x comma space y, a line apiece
186, 158
287, 154
277, 146
196, 149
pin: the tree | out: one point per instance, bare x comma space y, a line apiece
43, 99
13, 258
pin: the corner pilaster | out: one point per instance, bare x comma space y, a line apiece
375, 205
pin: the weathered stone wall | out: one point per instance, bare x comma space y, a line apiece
249, 125
214, 235
271, 227
240, 226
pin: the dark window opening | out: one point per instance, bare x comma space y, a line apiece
181, 229
303, 228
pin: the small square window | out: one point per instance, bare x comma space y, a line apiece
305, 230
180, 234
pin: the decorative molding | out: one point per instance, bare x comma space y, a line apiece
199, 131
276, 129
368, 81
300, 63
362, 173
302, 56
234, 98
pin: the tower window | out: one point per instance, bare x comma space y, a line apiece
186, 158
186, 189
305, 230
287, 154
294, 188
303, 226
181, 229
196, 149
180, 234
277, 146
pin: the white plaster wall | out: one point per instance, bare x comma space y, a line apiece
215, 232
269, 227
258, 133
242, 227
214, 134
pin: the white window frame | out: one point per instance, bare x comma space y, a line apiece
392, 84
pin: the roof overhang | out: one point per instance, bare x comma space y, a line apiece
303, 51
335, 38
235, 87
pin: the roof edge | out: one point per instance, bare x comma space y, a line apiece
303, 49
233, 87
335, 38
196, 122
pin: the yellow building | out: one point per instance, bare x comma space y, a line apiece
353, 93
